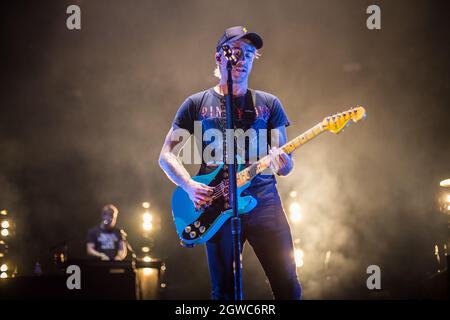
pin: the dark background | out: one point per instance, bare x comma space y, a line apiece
84, 114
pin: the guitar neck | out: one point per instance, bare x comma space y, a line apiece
254, 169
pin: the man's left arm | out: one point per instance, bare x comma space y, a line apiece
122, 252
281, 162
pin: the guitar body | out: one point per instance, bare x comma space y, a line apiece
198, 226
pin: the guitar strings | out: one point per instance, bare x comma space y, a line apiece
219, 190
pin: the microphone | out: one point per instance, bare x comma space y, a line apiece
107, 221
229, 54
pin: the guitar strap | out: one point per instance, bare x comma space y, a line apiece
253, 92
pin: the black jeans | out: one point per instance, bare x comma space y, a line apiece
268, 232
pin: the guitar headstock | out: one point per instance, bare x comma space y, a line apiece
335, 123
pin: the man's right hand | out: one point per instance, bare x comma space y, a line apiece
104, 257
199, 193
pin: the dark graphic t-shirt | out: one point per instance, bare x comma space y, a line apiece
106, 241
261, 115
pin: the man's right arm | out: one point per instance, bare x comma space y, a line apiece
90, 249
171, 164
169, 161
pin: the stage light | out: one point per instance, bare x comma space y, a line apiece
5, 224
448, 208
147, 217
4, 232
4, 267
4, 212
149, 282
148, 271
145, 249
298, 255
293, 194
147, 259
448, 198
150, 223
147, 224
3, 248
445, 183
3, 275
294, 210
146, 205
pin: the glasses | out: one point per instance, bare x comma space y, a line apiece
239, 53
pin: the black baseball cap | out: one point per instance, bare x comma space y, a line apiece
239, 32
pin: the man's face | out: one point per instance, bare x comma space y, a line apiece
109, 219
245, 53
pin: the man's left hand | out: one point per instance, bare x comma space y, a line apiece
280, 162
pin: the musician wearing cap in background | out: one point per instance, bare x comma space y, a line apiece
105, 241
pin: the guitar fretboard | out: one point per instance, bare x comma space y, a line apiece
251, 171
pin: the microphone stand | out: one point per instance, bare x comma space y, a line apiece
232, 172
